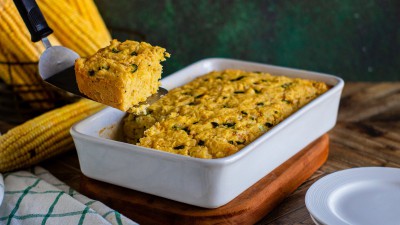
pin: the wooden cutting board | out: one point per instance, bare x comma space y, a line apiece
247, 208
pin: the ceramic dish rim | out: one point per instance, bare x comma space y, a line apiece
219, 161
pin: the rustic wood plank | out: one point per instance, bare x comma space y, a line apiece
355, 88
371, 101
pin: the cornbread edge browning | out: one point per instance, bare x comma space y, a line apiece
219, 113
121, 75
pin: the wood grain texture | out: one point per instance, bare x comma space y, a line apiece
367, 134
249, 207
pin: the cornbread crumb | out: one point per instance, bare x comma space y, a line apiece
219, 113
121, 75
141, 109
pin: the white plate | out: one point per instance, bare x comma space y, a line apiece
369, 195
315, 220
2, 189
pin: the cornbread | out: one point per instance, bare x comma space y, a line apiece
121, 75
219, 113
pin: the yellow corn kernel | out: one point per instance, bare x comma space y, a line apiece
43, 136
71, 28
88, 10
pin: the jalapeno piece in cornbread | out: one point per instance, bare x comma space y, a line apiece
219, 113
121, 75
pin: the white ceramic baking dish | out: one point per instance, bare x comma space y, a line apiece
208, 183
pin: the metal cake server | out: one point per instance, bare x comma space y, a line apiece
56, 64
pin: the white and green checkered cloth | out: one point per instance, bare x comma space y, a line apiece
37, 197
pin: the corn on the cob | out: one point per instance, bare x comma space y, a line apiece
88, 10
71, 28
15, 36
48, 134
15, 46
43, 136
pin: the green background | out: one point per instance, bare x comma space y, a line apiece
358, 40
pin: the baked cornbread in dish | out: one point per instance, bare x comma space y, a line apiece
219, 113
121, 75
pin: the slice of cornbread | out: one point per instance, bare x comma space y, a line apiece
121, 75
219, 113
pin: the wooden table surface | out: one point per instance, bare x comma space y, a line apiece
367, 134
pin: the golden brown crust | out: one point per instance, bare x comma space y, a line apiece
121, 75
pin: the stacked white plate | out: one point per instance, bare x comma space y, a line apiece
369, 195
2, 189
